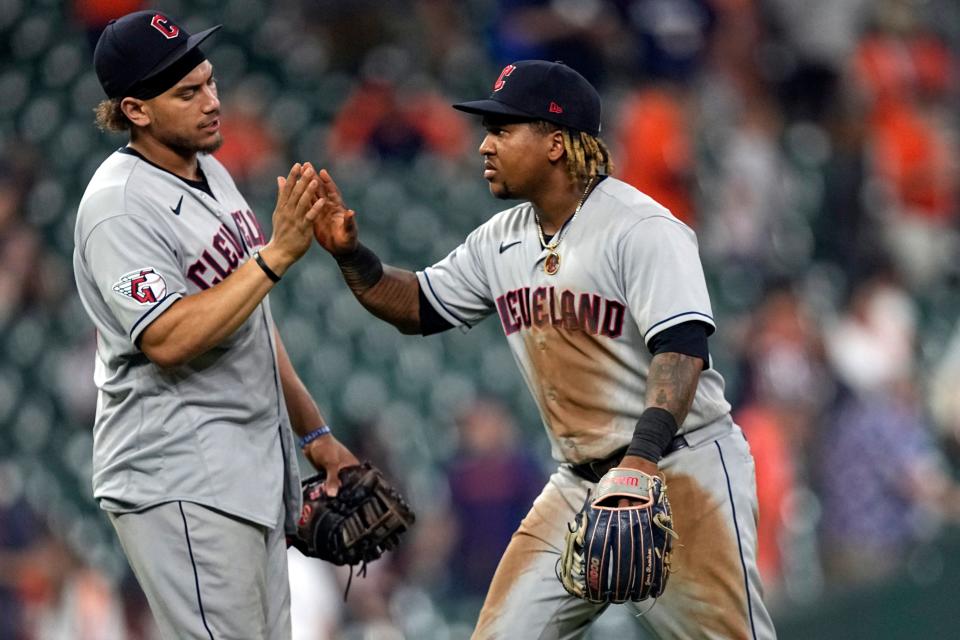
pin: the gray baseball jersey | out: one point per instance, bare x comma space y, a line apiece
215, 430
629, 270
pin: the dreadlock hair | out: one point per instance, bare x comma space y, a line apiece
587, 156
110, 116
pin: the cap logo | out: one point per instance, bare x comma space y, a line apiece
502, 80
555, 108
164, 26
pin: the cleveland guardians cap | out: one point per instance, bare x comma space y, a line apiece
144, 53
542, 90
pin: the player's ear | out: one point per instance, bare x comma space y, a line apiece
555, 149
136, 111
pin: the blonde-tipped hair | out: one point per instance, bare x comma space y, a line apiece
110, 116
587, 156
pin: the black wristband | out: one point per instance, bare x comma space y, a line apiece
263, 265
361, 269
655, 429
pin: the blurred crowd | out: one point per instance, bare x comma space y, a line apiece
812, 145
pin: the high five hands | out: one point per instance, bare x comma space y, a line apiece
335, 228
298, 206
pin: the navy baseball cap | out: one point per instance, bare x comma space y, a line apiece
542, 90
144, 53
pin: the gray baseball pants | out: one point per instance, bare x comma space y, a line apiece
207, 574
715, 593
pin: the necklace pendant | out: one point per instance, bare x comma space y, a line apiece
551, 264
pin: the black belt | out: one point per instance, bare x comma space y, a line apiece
596, 469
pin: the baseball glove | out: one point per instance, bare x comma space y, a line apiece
357, 525
613, 553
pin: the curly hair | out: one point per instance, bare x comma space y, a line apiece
110, 116
587, 156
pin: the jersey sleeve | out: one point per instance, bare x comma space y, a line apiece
457, 287
662, 276
136, 269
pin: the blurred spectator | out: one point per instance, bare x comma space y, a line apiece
94, 15
395, 116
656, 148
808, 59
575, 33
907, 75
20, 537
786, 388
249, 147
669, 37
21, 247
46, 591
493, 480
847, 231
884, 483
747, 198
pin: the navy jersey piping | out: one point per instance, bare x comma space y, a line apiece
445, 307
203, 184
196, 575
151, 310
677, 315
736, 528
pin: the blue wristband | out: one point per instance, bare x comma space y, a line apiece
313, 435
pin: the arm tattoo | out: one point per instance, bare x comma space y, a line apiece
361, 269
395, 298
672, 383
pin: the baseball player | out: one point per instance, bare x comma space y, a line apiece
602, 299
194, 459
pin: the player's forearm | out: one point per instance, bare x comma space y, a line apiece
672, 383
199, 322
671, 387
389, 293
304, 414
395, 299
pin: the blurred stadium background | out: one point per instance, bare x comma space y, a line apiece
812, 145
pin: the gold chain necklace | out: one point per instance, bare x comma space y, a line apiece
551, 264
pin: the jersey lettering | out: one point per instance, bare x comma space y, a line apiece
523, 308
195, 273
220, 244
250, 228
589, 312
225, 246
613, 319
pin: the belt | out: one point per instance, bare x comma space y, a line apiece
596, 469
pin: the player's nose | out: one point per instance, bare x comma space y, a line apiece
486, 146
212, 102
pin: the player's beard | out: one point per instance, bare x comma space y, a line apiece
503, 193
185, 147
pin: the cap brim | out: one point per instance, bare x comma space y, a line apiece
192, 43
491, 107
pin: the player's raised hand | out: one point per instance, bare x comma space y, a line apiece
298, 205
335, 228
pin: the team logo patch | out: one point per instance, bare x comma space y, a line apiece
145, 286
502, 80
162, 24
